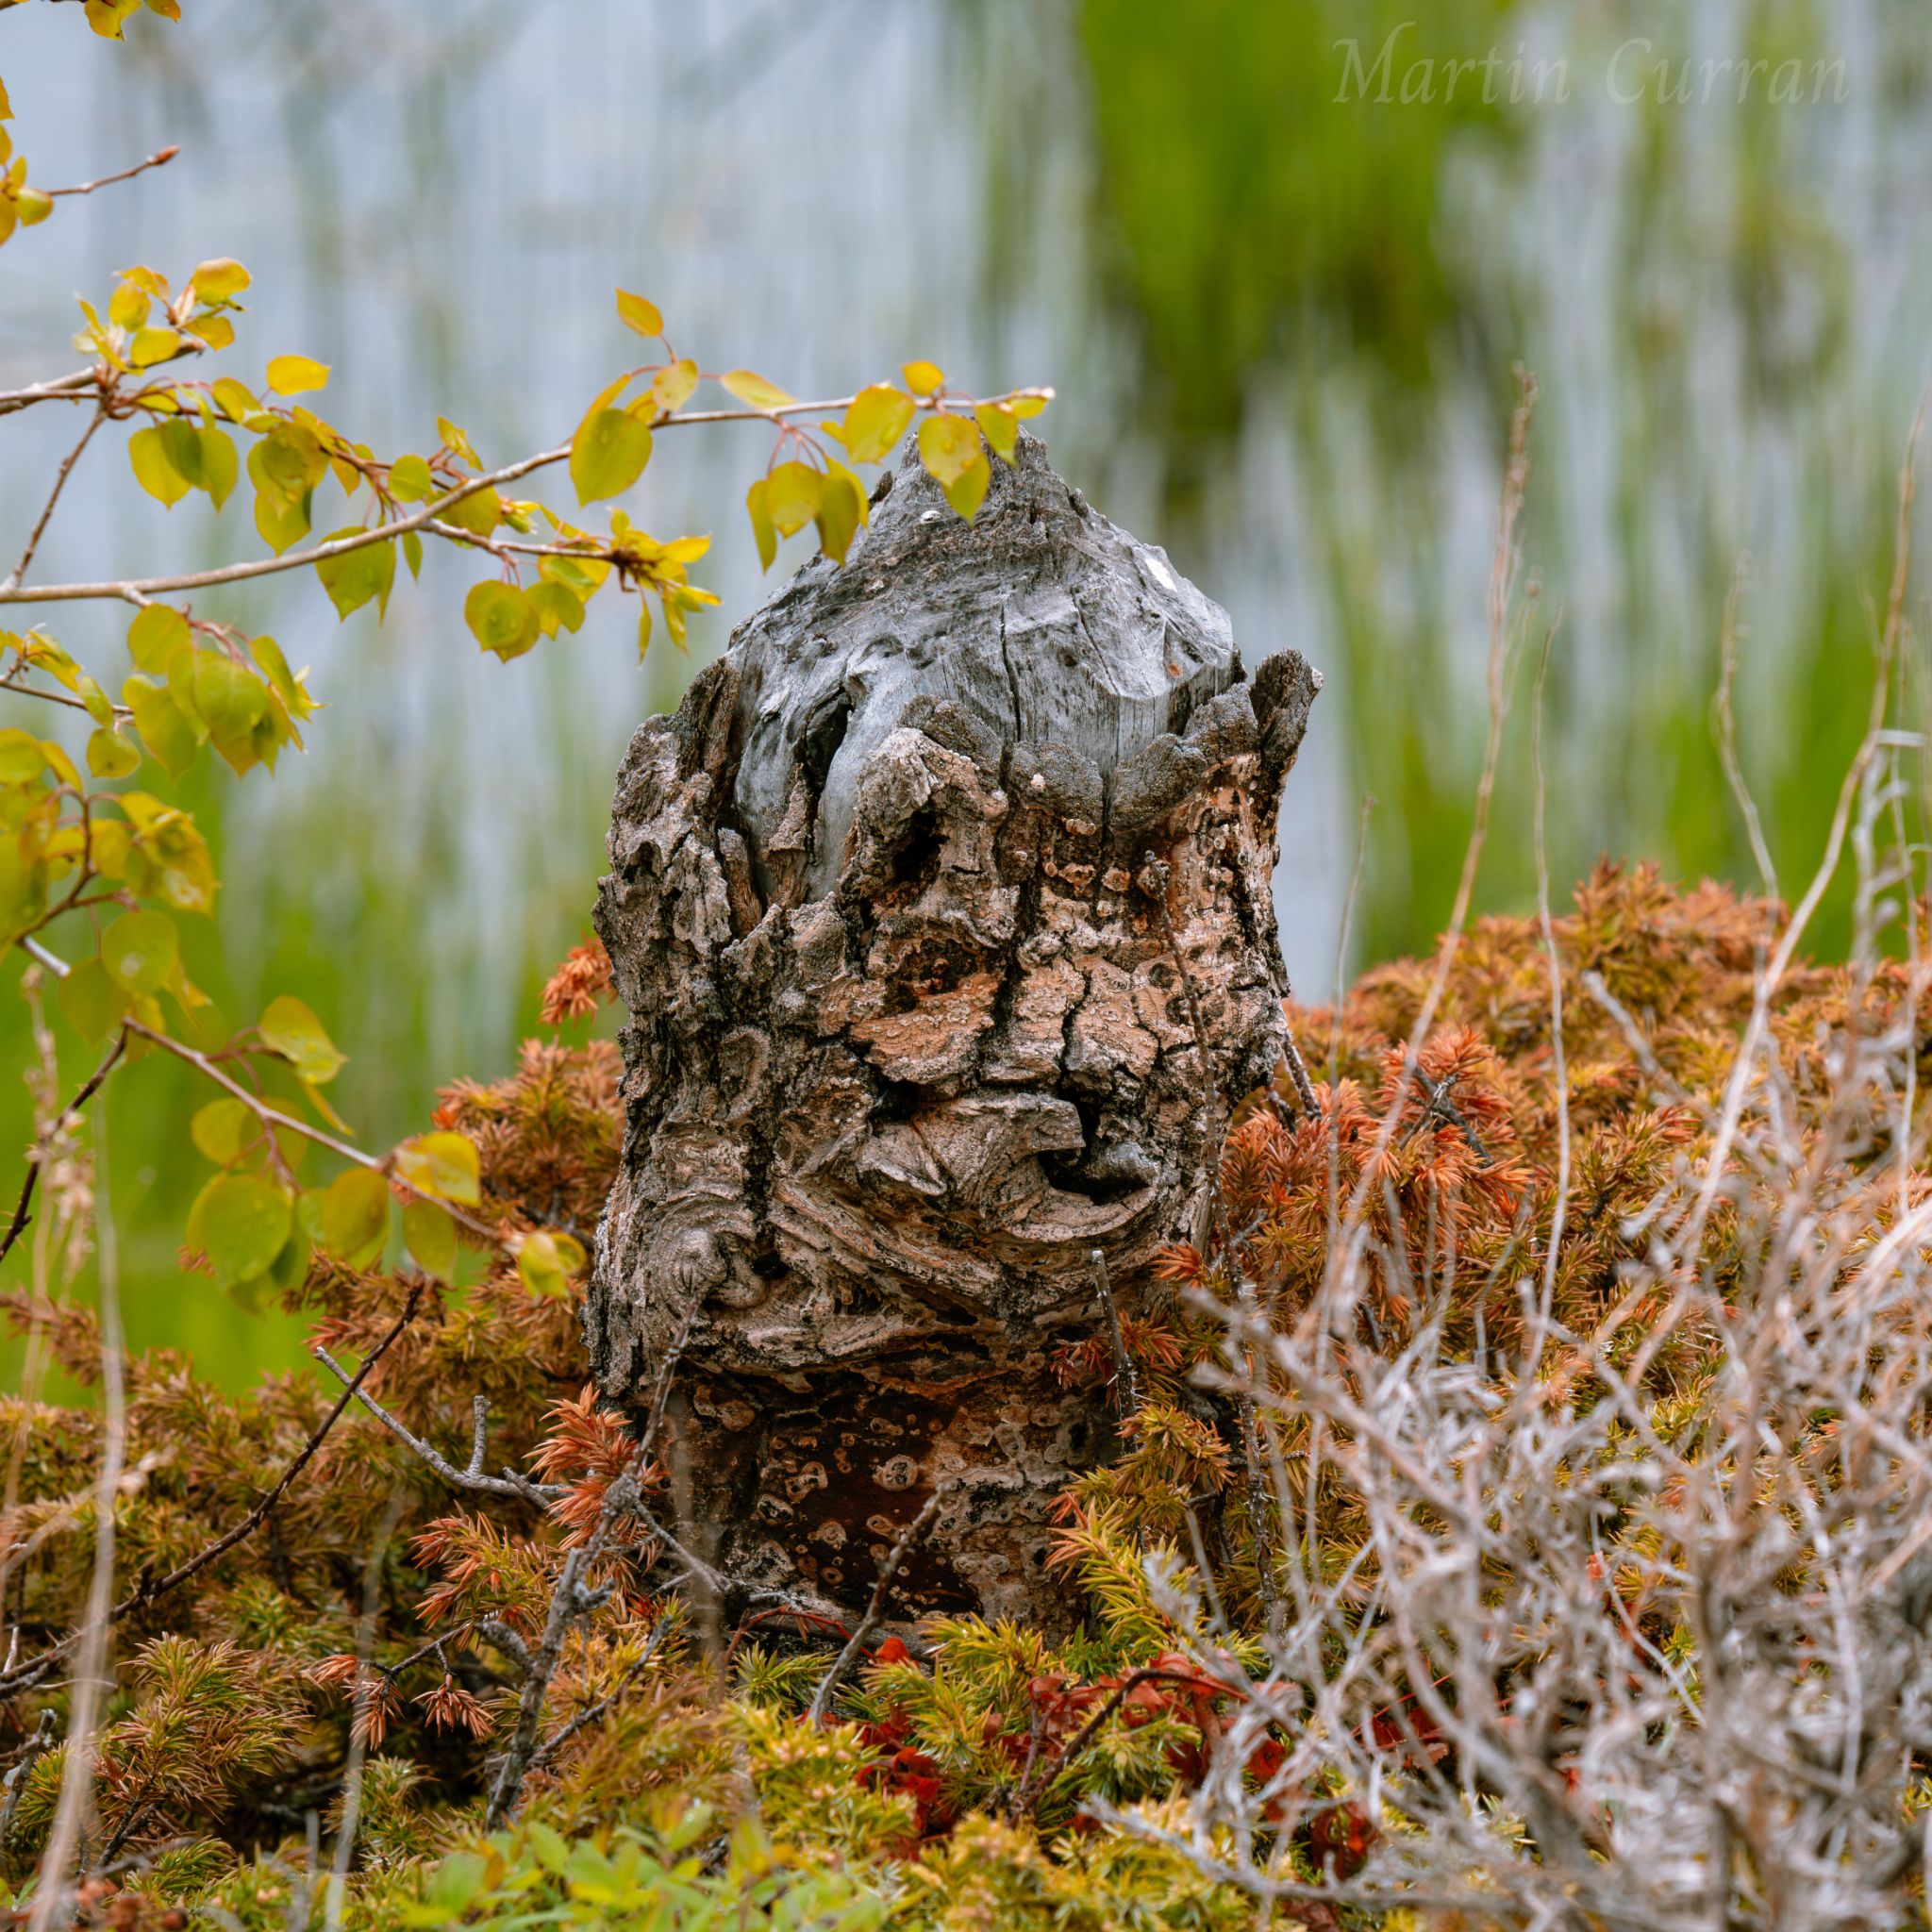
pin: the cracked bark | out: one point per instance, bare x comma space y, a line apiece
906, 1042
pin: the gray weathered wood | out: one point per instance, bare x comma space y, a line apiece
891, 906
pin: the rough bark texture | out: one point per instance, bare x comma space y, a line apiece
900, 903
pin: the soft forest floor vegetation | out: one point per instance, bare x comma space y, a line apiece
1517, 1517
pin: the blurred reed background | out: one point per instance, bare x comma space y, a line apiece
1282, 325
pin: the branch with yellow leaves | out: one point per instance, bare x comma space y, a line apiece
429, 515
272, 1120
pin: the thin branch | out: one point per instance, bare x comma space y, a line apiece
569, 1600
66, 469
43, 1739
38, 1152
358, 1734
507, 1484
139, 591
9, 682
595, 1712
1123, 1361
1559, 1070
910, 1538
274, 1118
1724, 727
1298, 1076
62, 389
159, 158
90, 1639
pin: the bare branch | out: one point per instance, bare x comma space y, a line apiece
1128, 1383
569, 1600
159, 158
38, 1152
910, 1539
62, 389
47, 516
509, 1484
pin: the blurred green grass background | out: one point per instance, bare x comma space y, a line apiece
1282, 323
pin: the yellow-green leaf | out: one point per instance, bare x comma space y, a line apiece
153, 469
947, 447
430, 1236
279, 522
558, 606
288, 1028
875, 419
224, 1129
139, 950
839, 513
479, 512
456, 443
105, 16
242, 1222
158, 636
289, 457
501, 617
639, 314
1000, 425
443, 1164
793, 493
152, 345
759, 510
220, 280
409, 480
546, 1261
63, 766
924, 378
112, 755
967, 491
671, 387
751, 387
355, 1216
356, 577
608, 452
235, 400
288, 686
232, 701
22, 757
127, 306
182, 441
220, 465
293, 375
163, 728
93, 1004
212, 331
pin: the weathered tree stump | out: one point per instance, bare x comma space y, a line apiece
900, 903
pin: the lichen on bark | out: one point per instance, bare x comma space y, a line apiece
900, 903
